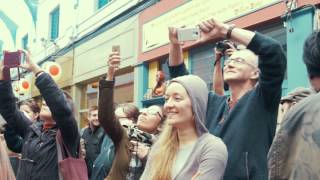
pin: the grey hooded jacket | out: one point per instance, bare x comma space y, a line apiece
209, 155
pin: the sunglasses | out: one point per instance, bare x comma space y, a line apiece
150, 112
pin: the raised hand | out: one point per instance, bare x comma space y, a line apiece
173, 36
30, 65
140, 149
113, 65
212, 29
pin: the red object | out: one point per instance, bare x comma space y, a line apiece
70, 168
25, 84
54, 70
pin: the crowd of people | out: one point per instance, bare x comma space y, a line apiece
197, 134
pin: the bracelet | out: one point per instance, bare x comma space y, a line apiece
230, 28
38, 73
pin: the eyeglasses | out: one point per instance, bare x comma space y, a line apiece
238, 61
150, 112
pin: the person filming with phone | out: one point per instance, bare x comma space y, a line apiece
245, 120
39, 153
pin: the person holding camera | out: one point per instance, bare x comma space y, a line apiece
120, 126
245, 120
39, 153
223, 50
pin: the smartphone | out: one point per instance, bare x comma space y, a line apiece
188, 34
116, 48
13, 59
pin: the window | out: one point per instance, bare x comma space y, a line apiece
54, 23
25, 42
102, 3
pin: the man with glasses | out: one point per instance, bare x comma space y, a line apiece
245, 120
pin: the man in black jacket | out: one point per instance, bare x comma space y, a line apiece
39, 155
245, 120
93, 136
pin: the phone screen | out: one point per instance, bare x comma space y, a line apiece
14, 74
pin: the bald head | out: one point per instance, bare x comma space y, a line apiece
247, 55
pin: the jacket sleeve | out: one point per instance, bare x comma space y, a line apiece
213, 161
106, 112
10, 112
14, 141
272, 65
179, 70
62, 111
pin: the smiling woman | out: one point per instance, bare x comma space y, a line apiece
185, 149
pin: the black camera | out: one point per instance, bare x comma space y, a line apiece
222, 46
140, 136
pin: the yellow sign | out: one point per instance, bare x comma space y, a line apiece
155, 32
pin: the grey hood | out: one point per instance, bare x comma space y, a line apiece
198, 93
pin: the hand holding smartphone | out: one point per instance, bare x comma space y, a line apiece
11, 63
188, 34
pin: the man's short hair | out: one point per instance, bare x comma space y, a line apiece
93, 108
311, 54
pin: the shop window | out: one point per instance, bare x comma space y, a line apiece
54, 23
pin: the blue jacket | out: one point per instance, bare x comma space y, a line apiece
103, 162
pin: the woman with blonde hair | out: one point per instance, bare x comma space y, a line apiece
6, 171
185, 149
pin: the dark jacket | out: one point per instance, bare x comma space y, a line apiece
103, 163
39, 154
115, 131
249, 127
13, 139
295, 151
93, 141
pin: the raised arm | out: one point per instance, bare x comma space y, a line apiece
218, 82
272, 65
61, 108
9, 109
176, 65
272, 60
106, 103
